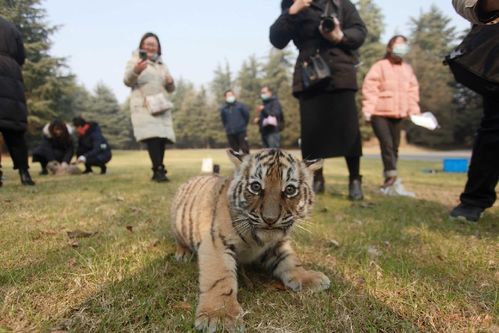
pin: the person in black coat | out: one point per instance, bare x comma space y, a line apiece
329, 120
57, 145
270, 119
235, 117
13, 110
93, 149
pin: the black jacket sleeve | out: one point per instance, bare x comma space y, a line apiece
20, 54
353, 27
68, 154
98, 143
245, 113
283, 30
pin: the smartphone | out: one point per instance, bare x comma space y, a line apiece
143, 55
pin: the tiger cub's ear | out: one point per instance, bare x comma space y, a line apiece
314, 165
235, 157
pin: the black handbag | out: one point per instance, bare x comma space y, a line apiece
315, 72
475, 62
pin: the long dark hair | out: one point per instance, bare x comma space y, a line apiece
392, 40
64, 137
285, 4
147, 35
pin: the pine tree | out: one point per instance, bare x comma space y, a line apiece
371, 51
106, 111
48, 87
249, 81
278, 75
432, 38
222, 81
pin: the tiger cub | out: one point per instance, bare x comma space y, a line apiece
244, 219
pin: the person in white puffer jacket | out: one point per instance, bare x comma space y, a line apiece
147, 75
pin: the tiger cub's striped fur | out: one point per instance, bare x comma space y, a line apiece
244, 219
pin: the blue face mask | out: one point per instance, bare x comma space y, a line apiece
264, 97
400, 50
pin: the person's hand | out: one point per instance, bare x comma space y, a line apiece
298, 6
140, 66
256, 121
81, 159
64, 165
336, 35
260, 108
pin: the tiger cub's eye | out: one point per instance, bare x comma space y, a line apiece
291, 191
255, 187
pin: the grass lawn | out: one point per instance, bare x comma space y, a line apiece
396, 264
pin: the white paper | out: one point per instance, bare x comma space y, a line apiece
426, 120
207, 165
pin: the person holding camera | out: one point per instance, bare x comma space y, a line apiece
390, 93
328, 34
483, 174
151, 109
270, 118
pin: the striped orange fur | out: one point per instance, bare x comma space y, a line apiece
243, 219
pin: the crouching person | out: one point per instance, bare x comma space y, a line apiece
57, 145
93, 149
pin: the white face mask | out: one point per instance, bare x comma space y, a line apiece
230, 99
400, 50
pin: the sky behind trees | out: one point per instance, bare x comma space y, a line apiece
98, 37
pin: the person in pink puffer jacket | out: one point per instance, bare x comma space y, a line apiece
390, 93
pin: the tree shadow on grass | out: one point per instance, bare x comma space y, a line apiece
162, 298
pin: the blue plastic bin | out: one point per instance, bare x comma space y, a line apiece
456, 165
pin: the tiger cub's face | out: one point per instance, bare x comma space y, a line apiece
271, 190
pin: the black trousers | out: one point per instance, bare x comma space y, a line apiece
18, 149
387, 130
156, 149
483, 173
238, 142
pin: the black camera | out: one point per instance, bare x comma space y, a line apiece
327, 23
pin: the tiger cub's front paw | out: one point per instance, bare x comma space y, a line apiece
219, 316
301, 280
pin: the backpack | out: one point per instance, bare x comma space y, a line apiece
475, 62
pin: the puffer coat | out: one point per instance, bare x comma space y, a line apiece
150, 82
13, 110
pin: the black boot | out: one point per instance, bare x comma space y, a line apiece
159, 174
103, 169
318, 185
44, 171
26, 178
355, 189
88, 169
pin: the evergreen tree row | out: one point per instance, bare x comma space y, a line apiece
52, 89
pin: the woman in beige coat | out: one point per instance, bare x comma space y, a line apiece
147, 75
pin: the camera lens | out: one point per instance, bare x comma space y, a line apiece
327, 24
